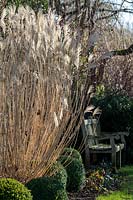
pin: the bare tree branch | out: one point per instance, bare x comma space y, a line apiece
110, 54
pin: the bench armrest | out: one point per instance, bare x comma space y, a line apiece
115, 133
118, 135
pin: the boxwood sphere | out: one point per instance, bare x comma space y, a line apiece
72, 161
71, 152
50, 188
59, 174
11, 189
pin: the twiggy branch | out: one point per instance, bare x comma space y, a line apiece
108, 55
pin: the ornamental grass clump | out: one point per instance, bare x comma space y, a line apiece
37, 58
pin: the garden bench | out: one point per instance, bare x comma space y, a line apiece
94, 142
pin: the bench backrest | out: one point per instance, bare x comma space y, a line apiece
92, 128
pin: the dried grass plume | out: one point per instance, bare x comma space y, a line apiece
36, 58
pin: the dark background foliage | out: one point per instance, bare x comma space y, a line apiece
34, 4
117, 115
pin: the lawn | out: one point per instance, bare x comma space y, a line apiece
126, 190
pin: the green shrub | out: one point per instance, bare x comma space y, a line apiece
60, 174
75, 172
117, 115
73, 153
11, 189
46, 188
34, 4
50, 188
117, 111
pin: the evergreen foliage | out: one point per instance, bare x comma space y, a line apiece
50, 188
11, 189
73, 164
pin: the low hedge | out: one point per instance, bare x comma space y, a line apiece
11, 189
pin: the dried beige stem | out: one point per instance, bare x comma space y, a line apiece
36, 59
